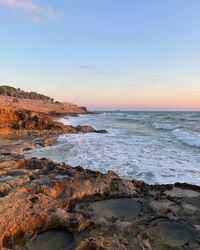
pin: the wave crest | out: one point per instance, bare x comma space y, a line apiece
165, 126
64, 121
187, 138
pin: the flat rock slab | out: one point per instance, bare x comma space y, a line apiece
117, 208
178, 192
51, 240
171, 233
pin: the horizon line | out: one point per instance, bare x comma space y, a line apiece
120, 110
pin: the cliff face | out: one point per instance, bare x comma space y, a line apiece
24, 122
14, 121
20, 116
41, 106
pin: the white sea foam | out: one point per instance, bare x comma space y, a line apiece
187, 138
64, 121
132, 149
165, 126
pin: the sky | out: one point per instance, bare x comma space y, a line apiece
104, 54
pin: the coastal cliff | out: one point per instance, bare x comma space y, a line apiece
34, 117
11, 97
41, 106
49, 205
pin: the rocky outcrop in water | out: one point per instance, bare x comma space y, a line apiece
24, 122
42, 202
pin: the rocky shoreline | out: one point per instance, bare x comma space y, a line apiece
100, 211
48, 205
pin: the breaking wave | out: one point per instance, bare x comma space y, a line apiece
64, 121
139, 145
189, 139
165, 126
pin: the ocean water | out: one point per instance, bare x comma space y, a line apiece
157, 147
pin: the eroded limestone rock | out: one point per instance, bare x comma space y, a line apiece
35, 200
39, 198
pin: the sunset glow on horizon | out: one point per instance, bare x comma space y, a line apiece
106, 55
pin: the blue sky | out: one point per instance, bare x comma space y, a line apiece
105, 54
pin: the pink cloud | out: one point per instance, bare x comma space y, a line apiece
35, 19
54, 15
86, 67
26, 5
37, 13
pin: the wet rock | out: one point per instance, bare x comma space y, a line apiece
47, 141
101, 243
84, 129
171, 234
179, 192
84, 224
138, 183
187, 186
101, 131
116, 208
51, 240
161, 207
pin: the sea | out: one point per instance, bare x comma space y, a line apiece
157, 147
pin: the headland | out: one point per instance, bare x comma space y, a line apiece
80, 209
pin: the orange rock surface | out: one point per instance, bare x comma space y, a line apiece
15, 120
37, 195
40, 106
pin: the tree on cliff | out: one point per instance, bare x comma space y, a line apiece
17, 92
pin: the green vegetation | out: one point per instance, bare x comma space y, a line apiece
11, 91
